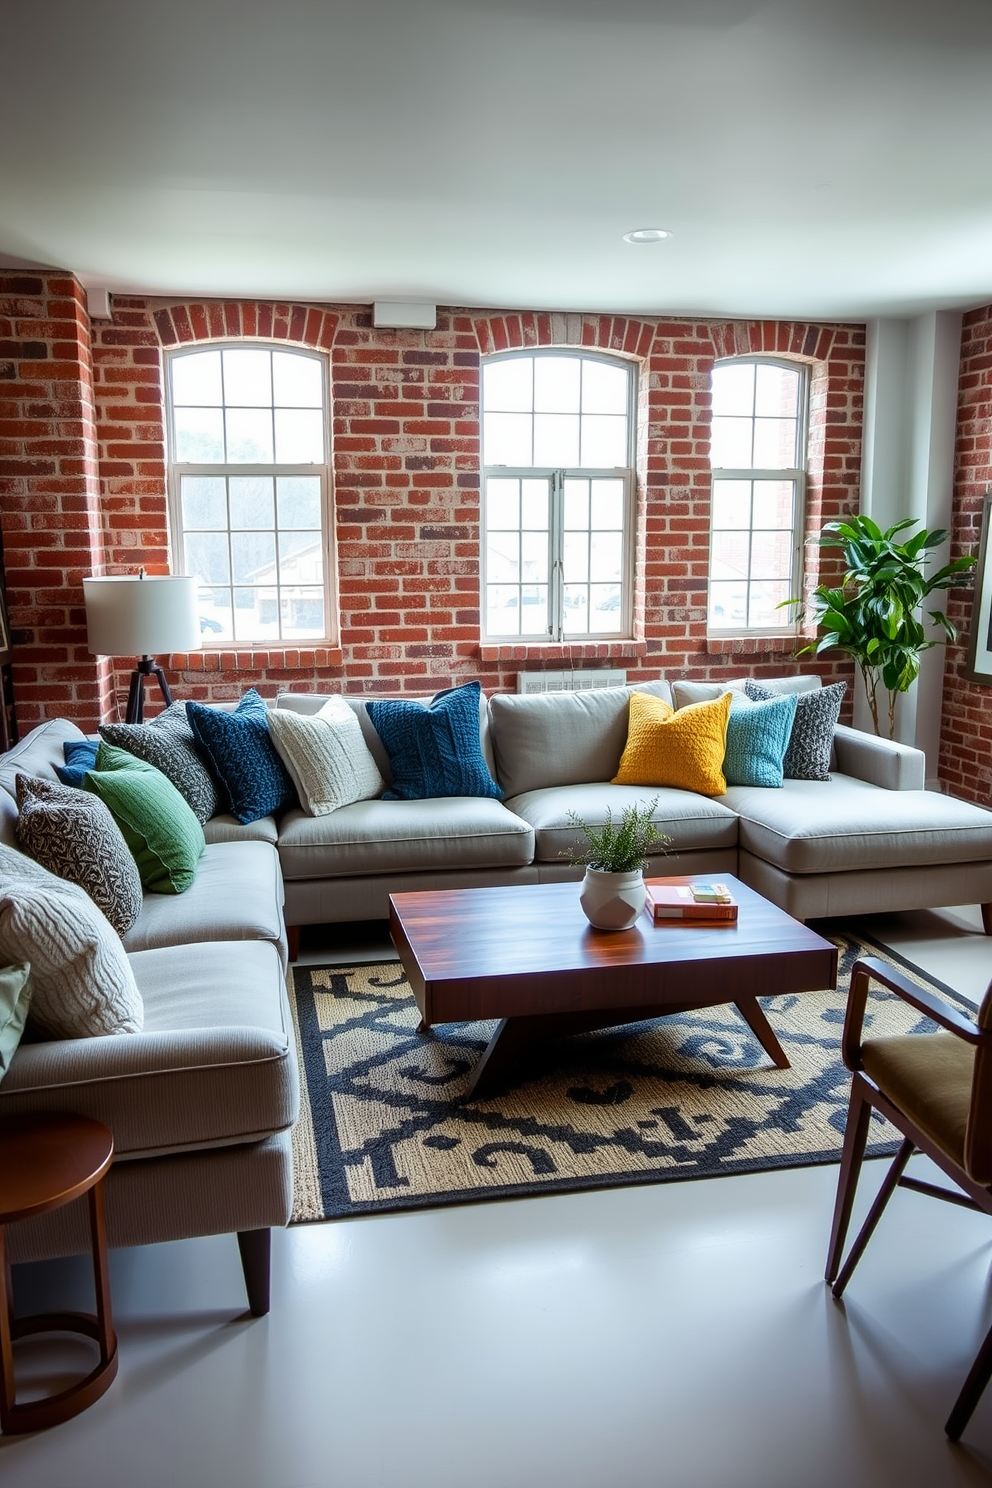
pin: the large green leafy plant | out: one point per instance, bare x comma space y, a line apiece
875, 616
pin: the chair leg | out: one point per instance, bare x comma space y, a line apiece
883, 1196
855, 1140
971, 1391
986, 923
256, 1252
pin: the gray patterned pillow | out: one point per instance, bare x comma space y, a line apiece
167, 742
74, 836
807, 756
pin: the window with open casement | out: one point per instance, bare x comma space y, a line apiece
249, 491
758, 459
558, 496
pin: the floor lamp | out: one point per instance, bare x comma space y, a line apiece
135, 614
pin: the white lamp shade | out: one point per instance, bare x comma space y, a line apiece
133, 616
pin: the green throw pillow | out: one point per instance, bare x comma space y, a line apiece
164, 836
15, 995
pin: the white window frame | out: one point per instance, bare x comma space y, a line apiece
796, 474
176, 470
556, 478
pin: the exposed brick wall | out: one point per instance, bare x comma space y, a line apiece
49, 495
405, 436
966, 735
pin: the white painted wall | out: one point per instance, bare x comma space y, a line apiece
907, 471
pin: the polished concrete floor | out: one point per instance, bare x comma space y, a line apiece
678, 1335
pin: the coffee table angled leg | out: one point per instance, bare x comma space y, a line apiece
750, 1011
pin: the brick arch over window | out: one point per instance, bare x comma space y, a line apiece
530, 328
220, 320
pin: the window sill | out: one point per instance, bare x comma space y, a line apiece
256, 658
566, 651
753, 645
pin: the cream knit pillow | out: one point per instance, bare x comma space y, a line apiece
82, 982
326, 755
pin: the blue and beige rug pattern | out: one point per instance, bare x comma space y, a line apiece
383, 1125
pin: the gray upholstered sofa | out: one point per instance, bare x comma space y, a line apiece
870, 839
202, 1101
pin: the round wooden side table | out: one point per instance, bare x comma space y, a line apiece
47, 1161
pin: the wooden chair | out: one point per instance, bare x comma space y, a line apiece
937, 1090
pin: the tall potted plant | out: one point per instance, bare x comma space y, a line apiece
875, 616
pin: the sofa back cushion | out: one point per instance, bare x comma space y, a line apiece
684, 693
561, 738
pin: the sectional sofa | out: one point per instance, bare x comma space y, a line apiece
870, 839
202, 1101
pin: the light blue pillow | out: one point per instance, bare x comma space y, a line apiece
437, 750
243, 757
757, 738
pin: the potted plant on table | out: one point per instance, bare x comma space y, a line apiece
874, 616
614, 856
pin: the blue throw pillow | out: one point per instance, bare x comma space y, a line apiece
757, 738
80, 756
243, 757
434, 751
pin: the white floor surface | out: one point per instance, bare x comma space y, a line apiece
674, 1335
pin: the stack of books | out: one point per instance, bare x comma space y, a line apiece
696, 903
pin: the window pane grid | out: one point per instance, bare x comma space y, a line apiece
248, 485
757, 454
568, 417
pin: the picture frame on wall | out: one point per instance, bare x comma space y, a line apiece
979, 667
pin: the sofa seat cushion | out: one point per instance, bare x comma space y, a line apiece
691, 821
227, 828
844, 825
215, 1064
237, 895
404, 837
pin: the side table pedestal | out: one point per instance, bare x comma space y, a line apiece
45, 1162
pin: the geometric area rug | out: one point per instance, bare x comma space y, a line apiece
692, 1095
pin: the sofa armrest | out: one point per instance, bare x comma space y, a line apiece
881, 762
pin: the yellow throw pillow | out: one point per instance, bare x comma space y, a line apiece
684, 749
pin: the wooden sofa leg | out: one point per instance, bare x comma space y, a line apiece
293, 940
256, 1253
987, 918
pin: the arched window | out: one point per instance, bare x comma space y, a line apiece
558, 495
758, 457
249, 484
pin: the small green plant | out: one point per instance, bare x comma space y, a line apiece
618, 847
874, 617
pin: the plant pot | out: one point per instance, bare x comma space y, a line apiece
612, 901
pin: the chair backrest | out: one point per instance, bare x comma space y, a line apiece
978, 1135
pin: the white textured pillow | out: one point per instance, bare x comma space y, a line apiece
82, 982
326, 755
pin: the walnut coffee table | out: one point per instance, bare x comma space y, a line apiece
528, 957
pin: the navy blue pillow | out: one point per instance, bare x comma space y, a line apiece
243, 757
80, 757
434, 751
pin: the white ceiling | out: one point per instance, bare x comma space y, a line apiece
825, 158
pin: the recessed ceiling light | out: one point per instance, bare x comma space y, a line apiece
647, 235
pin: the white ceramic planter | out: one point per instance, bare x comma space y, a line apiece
612, 901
